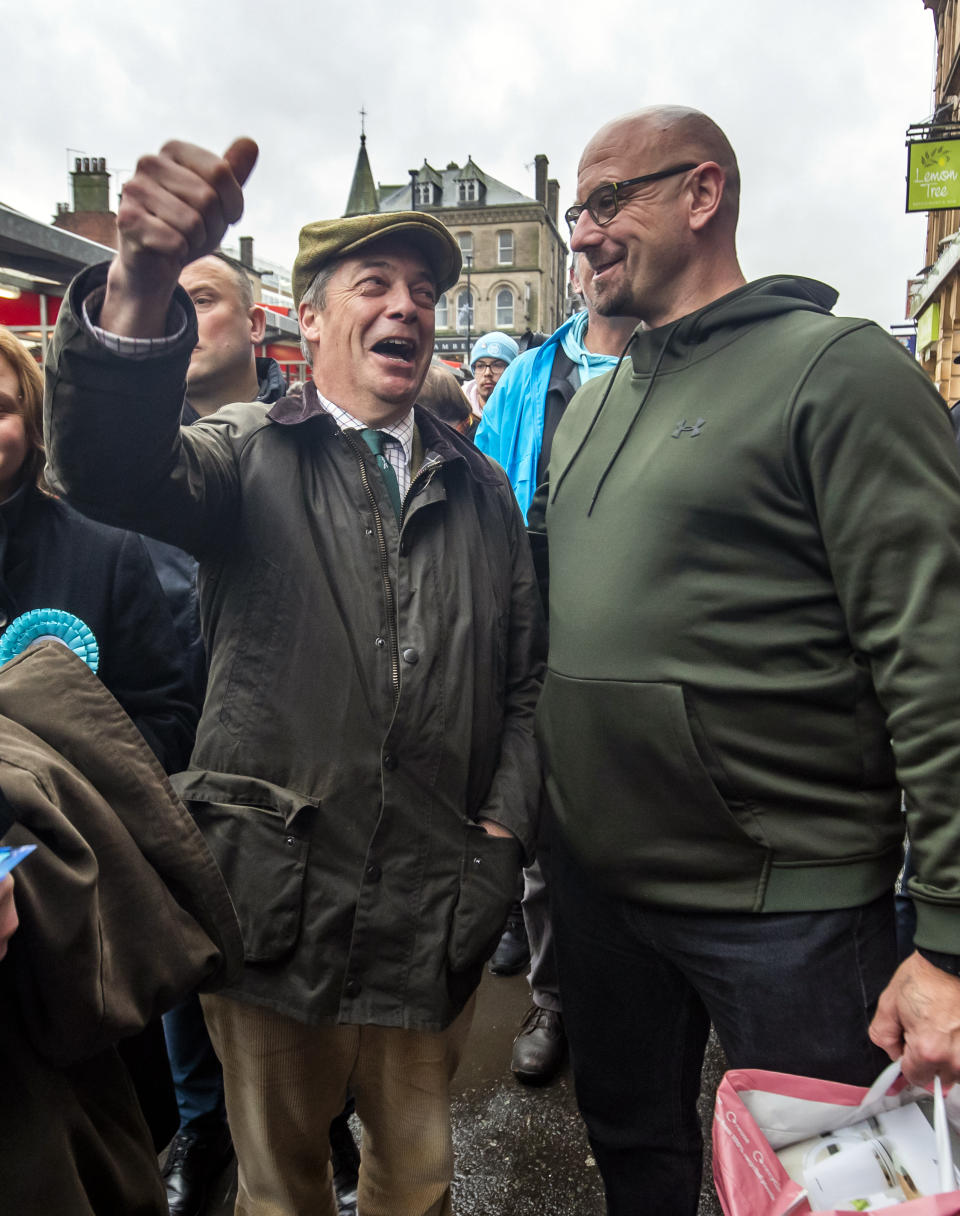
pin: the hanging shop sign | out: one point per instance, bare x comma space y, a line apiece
928, 327
933, 175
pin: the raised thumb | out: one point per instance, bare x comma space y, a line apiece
241, 156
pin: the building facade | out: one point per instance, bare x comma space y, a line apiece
514, 274
933, 295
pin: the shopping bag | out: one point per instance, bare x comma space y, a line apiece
830, 1133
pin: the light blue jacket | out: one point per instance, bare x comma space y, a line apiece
511, 428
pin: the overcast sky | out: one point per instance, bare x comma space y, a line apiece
814, 96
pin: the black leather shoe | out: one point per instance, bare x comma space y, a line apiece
513, 952
345, 1159
193, 1164
539, 1048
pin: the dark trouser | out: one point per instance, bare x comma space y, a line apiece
790, 992
197, 1075
542, 977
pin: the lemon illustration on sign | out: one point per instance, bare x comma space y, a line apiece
935, 158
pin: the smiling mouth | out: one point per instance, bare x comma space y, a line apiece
604, 267
398, 350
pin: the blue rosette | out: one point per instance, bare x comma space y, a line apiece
50, 624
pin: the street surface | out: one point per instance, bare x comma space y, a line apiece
520, 1151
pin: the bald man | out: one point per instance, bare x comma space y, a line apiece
753, 530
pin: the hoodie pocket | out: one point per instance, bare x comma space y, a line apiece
263, 862
632, 791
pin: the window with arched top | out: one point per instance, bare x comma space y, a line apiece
464, 311
504, 308
468, 191
424, 194
442, 312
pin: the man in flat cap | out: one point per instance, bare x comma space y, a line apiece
365, 771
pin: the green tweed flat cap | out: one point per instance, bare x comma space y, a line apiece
325, 240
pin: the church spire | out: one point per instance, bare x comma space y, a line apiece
363, 192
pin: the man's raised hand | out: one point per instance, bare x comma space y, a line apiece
174, 209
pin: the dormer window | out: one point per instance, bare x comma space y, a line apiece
425, 194
468, 191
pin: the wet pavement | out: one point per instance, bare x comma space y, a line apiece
520, 1150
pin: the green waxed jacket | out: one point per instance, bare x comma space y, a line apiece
754, 551
370, 696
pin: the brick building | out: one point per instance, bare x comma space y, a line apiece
514, 275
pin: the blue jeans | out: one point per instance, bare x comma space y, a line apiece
197, 1075
791, 992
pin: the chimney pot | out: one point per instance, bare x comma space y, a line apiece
246, 251
540, 169
553, 199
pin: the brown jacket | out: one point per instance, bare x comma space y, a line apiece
122, 913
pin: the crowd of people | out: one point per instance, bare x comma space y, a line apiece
652, 628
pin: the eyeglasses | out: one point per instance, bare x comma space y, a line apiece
604, 203
490, 365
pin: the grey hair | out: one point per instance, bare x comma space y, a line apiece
316, 297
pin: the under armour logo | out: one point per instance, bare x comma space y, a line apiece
684, 428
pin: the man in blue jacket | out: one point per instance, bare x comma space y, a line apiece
517, 430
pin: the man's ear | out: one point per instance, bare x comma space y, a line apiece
706, 192
258, 323
307, 316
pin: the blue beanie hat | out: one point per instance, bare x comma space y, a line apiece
494, 346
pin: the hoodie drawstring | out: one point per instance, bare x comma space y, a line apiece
636, 415
595, 419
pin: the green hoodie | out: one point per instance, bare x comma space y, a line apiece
754, 544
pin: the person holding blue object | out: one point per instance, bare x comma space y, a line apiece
517, 430
94, 581
8, 913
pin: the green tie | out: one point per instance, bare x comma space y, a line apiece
374, 441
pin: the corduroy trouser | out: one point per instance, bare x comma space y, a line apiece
284, 1083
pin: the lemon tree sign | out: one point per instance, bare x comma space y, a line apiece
933, 175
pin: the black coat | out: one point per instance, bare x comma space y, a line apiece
52, 557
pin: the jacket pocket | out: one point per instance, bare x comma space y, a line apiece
632, 791
489, 873
263, 862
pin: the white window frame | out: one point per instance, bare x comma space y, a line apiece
443, 312
501, 310
505, 245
